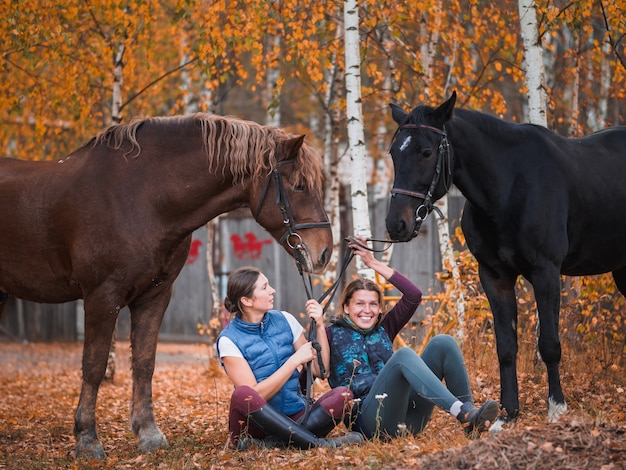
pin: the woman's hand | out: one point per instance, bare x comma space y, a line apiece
368, 258
366, 255
304, 353
315, 311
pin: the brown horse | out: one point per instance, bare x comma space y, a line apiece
111, 223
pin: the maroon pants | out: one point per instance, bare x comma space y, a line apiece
246, 400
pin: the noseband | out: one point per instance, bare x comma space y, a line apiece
291, 235
444, 165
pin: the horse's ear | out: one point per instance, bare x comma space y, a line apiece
397, 113
292, 146
444, 112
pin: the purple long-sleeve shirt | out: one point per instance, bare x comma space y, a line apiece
401, 313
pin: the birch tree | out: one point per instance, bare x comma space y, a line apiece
333, 78
116, 118
356, 134
430, 27
534, 72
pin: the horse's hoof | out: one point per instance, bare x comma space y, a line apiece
89, 449
152, 441
501, 424
555, 410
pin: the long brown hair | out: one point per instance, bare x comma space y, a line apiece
356, 285
241, 283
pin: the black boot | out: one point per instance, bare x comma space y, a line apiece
476, 420
319, 421
288, 431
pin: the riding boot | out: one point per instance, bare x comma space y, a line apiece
319, 421
285, 429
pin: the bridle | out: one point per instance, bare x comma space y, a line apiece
291, 235
443, 167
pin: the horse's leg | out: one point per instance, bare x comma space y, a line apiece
547, 286
500, 291
98, 331
146, 317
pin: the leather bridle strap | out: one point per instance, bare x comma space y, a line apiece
285, 208
443, 164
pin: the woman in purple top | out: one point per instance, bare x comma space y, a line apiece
396, 392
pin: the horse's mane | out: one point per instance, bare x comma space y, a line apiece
480, 119
243, 148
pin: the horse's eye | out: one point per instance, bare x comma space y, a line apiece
427, 153
298, 188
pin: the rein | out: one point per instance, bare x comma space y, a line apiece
444, 165
330, 293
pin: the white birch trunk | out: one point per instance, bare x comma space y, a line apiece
575, 100
356, 134
533, 62
272, 117
331, 163
427, 51
116, 118
213, 317
214, 323
384, 167
449, 264
430, 21
383, 170
118, 81
597, 119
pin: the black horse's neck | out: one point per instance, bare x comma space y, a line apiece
480, 143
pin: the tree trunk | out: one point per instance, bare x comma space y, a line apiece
272, 90
116, 118
356, 134
333, 78
449, 264
533, 61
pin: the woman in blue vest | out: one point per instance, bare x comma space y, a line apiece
395, 393
263, 351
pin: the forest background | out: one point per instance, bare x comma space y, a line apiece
70, 68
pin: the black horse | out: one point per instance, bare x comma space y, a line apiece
538, 205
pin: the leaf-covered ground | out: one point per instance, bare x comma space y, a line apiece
40, 383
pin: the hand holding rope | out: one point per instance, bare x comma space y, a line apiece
328, 294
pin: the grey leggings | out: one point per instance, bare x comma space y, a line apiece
413, 386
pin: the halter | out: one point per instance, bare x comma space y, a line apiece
291, 234
443, 164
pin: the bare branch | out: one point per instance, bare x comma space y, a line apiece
611, 41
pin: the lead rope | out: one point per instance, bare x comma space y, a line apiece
330, 293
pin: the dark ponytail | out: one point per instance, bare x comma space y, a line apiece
241, 283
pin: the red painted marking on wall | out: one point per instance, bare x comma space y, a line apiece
194, 251
251, 248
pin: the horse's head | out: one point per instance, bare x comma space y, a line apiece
289, 204
422, 160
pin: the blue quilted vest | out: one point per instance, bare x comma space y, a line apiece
357, 357
266, 346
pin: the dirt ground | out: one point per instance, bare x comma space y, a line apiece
39, 388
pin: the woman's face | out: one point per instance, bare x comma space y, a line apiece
363, 308
262, 298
